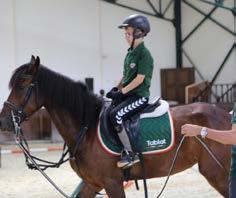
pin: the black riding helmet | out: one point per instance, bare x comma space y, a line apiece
140, 24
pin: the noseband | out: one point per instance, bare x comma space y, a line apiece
19, 112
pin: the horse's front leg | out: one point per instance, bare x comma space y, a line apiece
85, 190
114, 189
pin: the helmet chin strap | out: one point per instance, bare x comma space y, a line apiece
132, 44
136, 35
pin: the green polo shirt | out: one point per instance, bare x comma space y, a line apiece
233, 150
138, 61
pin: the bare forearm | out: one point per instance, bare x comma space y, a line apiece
119, 86
224, 137
130, 86
133, 84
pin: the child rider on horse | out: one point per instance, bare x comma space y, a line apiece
132, 93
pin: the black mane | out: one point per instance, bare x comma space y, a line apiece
64, 94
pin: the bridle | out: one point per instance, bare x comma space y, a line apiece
18, 115
19, 111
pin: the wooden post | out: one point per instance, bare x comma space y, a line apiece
192, 90
0, 156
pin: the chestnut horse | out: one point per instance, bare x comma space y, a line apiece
70, 105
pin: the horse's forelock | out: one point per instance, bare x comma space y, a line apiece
16, 74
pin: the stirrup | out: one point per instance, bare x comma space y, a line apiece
125, 159
134, 159
128, 158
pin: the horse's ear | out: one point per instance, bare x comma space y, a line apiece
34, 66
37, 61
32, 60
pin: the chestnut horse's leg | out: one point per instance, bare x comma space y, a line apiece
85, 190
216, 176
114, 189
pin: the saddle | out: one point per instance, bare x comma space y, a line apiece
156, 108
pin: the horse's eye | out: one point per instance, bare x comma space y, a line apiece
21, 87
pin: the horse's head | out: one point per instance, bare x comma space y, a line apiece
23, 100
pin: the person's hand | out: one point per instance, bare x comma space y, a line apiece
190, 130
114, 89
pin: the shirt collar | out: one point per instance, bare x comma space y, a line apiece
135, 50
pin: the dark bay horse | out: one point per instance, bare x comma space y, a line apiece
71, 105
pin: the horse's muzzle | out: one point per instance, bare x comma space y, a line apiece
6, 124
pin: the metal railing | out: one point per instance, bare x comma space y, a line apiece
217, 93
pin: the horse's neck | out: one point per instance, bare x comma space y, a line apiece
65, 125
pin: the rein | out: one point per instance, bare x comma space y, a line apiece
175, 157
211, 154
79, 141
31, 160
18, 115
172, 166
